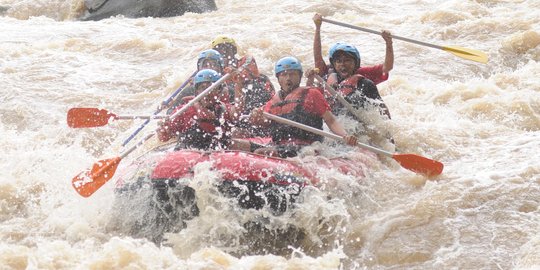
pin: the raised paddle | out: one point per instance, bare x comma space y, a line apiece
410, 162
464, 53
94, 117
160, 107
90, 180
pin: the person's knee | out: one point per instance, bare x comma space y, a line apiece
267, 151
286, 151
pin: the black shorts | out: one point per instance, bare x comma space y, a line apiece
283, 150
288, 150
253, 130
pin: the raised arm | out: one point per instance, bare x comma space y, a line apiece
317, 50
389, 56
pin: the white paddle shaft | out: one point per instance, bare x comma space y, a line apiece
321, 132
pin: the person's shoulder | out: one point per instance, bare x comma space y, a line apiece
365, 81
315, 102
368, 87
370, 68
249, 59
315, 92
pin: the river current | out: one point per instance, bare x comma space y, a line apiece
481, 120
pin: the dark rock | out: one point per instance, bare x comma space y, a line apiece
102, 9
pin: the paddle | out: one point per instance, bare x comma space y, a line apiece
464, 53
160, 108
410, 162
94, 117
339, 97
90, 180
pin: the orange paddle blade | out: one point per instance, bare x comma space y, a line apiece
89, 181
419, 164
88, 117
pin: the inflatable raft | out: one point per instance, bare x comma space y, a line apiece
159, 185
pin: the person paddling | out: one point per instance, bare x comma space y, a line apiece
257, 90
305, 105
257, 87
377, 73
361, 92
207, 59
228, 49
207, 124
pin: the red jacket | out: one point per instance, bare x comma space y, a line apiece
372, 73
195, 117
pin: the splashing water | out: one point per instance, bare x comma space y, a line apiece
481, 121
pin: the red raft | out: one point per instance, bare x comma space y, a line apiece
234, 166
254, 181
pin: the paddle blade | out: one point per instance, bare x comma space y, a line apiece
465, 53
89, 181
88, 117
419, 164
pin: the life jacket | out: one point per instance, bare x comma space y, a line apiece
291, 107
351, 89
345, 87
207, 134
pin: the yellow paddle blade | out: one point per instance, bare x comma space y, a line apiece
469, 54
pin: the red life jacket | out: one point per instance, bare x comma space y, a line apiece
348, 88
345, 87
358, 91
292, 108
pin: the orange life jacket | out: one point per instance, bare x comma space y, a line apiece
345, 87
292, 108
348, 88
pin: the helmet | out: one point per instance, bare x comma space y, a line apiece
221, 39
206, 75
287, 63
341, 46
209, 54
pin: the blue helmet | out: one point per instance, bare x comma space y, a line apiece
206, 75
287, 63
209, 54
341, 46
